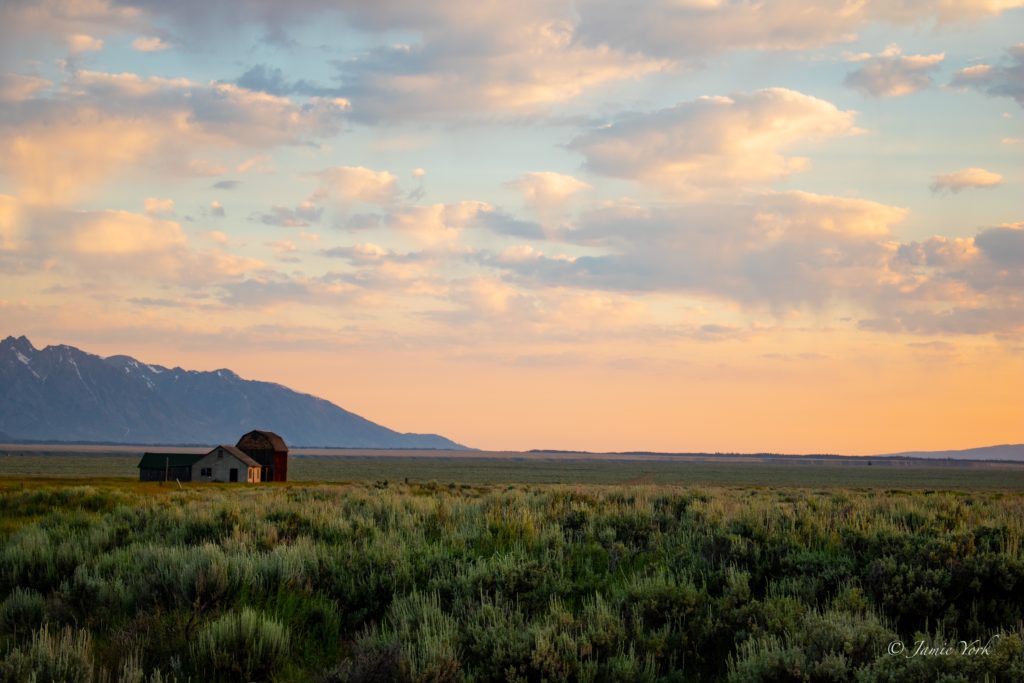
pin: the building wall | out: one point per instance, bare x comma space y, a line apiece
220, 464
174, 473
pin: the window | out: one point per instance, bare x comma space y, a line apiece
206, 472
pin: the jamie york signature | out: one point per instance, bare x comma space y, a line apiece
960, 648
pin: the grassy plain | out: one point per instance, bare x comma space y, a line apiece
117, 580
569, 469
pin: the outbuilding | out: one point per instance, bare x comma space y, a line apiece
167, 466
226, 463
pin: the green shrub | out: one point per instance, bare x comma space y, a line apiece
427, 637
434, 583
245, 645
22, 611
64, 656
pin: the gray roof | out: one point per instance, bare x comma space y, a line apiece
237, 453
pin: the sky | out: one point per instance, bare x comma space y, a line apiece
675, 225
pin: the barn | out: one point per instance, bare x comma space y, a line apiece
226, 463
259, 456
269, 450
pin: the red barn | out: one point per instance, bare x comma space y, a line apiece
270, 451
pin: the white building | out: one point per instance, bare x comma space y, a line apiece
226, 463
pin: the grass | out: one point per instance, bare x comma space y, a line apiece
852, 473
117, 580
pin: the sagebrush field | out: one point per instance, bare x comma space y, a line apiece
427, 582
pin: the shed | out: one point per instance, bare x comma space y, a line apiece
167, 466
226, 463
270, 451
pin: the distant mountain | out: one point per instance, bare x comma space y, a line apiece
1014, 452
63, 394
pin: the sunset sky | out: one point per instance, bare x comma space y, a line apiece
669, 225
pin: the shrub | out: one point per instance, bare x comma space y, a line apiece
22, 612
245, 645
64, 656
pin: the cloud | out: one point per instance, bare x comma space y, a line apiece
260, 163
892, 74
463, 61
28, 29
356, 184
440, 226
218, 237
957, 286
120, 233
528, 65
217, 209
714, 141
284, 250
302, 216
56, 162
58, 148
80, 42
783, 250
787, 252
502, 223
220, 113
1003, 80
275, 289
156, 207
19, 87
965, 179
693, 29
226, 185
545, 190
10, 223
112, 246
435, 225
270, 79
359, 253
150, 44
1003, 245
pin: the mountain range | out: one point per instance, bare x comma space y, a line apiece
1002, 452
61, 393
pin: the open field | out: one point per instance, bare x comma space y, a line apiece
475, 467
123, 581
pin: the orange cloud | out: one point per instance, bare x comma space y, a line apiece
965, 179
714, 141
80, 42
121, 233
150, 44
81, 135
357, 184
547, 190
10, 223
58, 162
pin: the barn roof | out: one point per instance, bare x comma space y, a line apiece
276, 442
238, 454
158, 461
